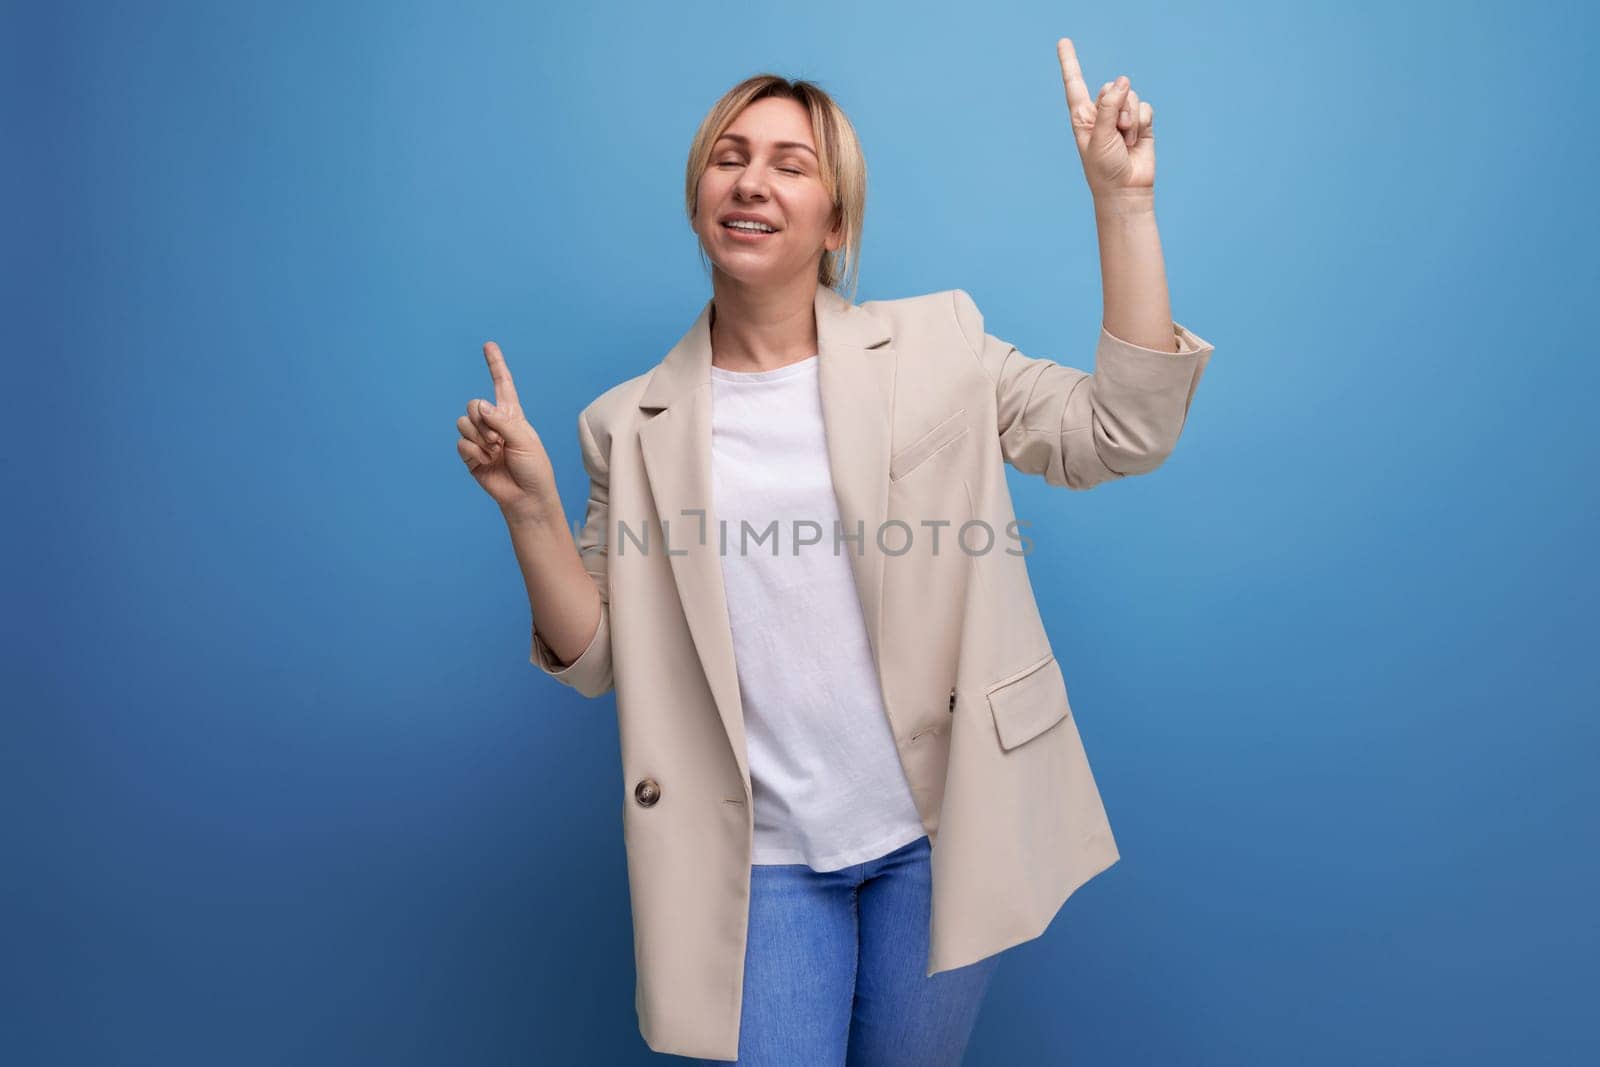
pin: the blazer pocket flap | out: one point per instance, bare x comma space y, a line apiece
1029, 702
947, 430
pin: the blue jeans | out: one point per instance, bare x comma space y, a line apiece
834, 969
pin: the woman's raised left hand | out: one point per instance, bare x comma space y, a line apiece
1113, 130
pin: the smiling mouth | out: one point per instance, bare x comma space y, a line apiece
747, 231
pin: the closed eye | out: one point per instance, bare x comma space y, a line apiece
785, 170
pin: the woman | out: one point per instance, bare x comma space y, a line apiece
826, 853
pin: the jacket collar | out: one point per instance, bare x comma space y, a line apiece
840, 324
855, 371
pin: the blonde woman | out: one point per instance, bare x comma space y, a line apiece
851, 771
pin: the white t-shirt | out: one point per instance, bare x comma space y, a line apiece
828, 787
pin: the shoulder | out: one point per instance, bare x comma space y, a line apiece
947, 314
923, 306
606, 412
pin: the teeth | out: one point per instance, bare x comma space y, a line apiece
741, 224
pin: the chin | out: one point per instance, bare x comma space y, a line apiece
751, 274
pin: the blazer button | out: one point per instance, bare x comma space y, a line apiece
952, 700
646, 792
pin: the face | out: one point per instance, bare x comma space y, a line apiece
765, 167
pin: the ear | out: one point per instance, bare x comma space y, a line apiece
835, 239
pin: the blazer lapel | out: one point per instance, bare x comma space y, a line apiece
855, 371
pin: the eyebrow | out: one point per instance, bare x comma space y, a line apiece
742, 139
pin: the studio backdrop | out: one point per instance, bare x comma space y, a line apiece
278, 783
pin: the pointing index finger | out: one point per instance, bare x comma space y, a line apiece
505, 393
1072, 75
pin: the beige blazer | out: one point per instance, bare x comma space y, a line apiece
921, 410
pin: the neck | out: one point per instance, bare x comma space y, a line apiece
756, 329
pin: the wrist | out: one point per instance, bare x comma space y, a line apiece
530, 513
1116, 202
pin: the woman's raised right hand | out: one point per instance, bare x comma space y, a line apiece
502, 450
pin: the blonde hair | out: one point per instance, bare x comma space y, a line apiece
841, 164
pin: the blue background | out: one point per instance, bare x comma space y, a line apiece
277, 782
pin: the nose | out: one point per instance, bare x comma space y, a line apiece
751, 185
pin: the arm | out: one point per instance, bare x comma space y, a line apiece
1080, 429
1133, 276
566, 582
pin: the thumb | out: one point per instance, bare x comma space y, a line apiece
1106, 112
498, 419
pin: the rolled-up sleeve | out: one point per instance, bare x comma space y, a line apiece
590, 674
1079, 429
